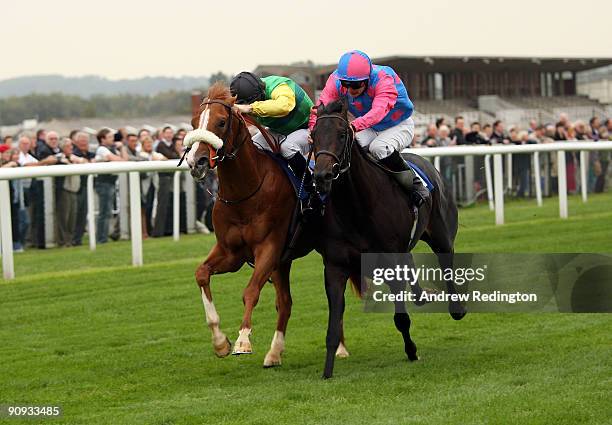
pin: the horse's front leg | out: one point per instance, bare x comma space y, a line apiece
335, 285
280, 277
218, 261
266, 260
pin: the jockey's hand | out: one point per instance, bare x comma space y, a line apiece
310, 141
244, 109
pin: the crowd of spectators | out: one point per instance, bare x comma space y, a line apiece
48, 148
444, 134
70, 192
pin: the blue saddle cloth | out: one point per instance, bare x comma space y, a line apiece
295, 181
424, 177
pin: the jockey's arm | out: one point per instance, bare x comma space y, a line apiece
385, 96
281, 102
328, 94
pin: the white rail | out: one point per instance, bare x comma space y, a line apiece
498, 150
496, 194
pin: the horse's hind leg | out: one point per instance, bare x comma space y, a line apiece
441, 242
342, 352
216, 262
402, 321
280, 278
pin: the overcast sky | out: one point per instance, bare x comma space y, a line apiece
135, 38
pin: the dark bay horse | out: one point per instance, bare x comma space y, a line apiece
367, 211
251, 218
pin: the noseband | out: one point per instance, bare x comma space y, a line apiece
343, 161
220, 153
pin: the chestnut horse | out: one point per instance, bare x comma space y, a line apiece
251, 218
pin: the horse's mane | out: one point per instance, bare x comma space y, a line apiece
219, 91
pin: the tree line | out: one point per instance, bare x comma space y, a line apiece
43, 107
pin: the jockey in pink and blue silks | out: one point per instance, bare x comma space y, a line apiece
379, 101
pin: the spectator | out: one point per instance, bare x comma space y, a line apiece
81, 149
22, 193
487, 131
498, 133
595, 124
430, 136
149, 182
66, 202
533, 126
459, 131
142, 134
41, 135
475, 137
8, 142
163, 216
131, 150
105, 183
563, 134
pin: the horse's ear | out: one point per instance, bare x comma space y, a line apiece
344, 105
232, 100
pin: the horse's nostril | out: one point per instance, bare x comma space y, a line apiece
202, 161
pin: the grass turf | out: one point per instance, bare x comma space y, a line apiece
114, 344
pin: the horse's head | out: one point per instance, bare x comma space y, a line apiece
215, 130
333, 139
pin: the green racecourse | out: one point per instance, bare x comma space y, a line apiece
114, 344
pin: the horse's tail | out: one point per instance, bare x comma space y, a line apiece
355, 282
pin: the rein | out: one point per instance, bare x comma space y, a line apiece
343, 161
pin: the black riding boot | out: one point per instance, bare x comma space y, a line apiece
298, 164
407, 178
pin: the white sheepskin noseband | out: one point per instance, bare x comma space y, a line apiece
202, 135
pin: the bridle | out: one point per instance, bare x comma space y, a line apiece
343, 161
220, 153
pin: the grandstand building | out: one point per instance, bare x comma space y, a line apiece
513, 89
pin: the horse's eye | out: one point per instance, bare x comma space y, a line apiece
221, 123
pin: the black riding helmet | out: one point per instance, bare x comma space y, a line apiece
248, 88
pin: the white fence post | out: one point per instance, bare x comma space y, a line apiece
176, 206
437, 163
135, 218
190, 203
489, 180
124, 231
49, 213
91, 213
536, 174
8, 268
498, 181
562, 184
584, 164
509, 171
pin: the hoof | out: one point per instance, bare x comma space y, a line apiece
242, 347
411, 352
272, 360
457, 311
342, 352
223, 349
